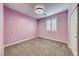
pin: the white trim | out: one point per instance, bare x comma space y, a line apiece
18, 42
72, 51
69, 46
1, 51
30, 39
54, 40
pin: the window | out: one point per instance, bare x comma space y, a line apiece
48, 25
54, 25
51, 25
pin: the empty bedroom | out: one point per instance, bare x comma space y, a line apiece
40, 29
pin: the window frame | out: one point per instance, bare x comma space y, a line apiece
50, 30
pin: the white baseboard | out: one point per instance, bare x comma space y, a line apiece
54, 40
29, 39
72, 51
69, 46
32, 38
1, 51
18, 42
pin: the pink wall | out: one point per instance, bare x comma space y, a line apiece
18, 26
61, 34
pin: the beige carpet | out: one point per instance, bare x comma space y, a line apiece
38, 47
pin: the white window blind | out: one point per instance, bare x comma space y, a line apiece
48, 25
51, 25
54, 25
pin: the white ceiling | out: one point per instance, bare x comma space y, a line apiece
28, 8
